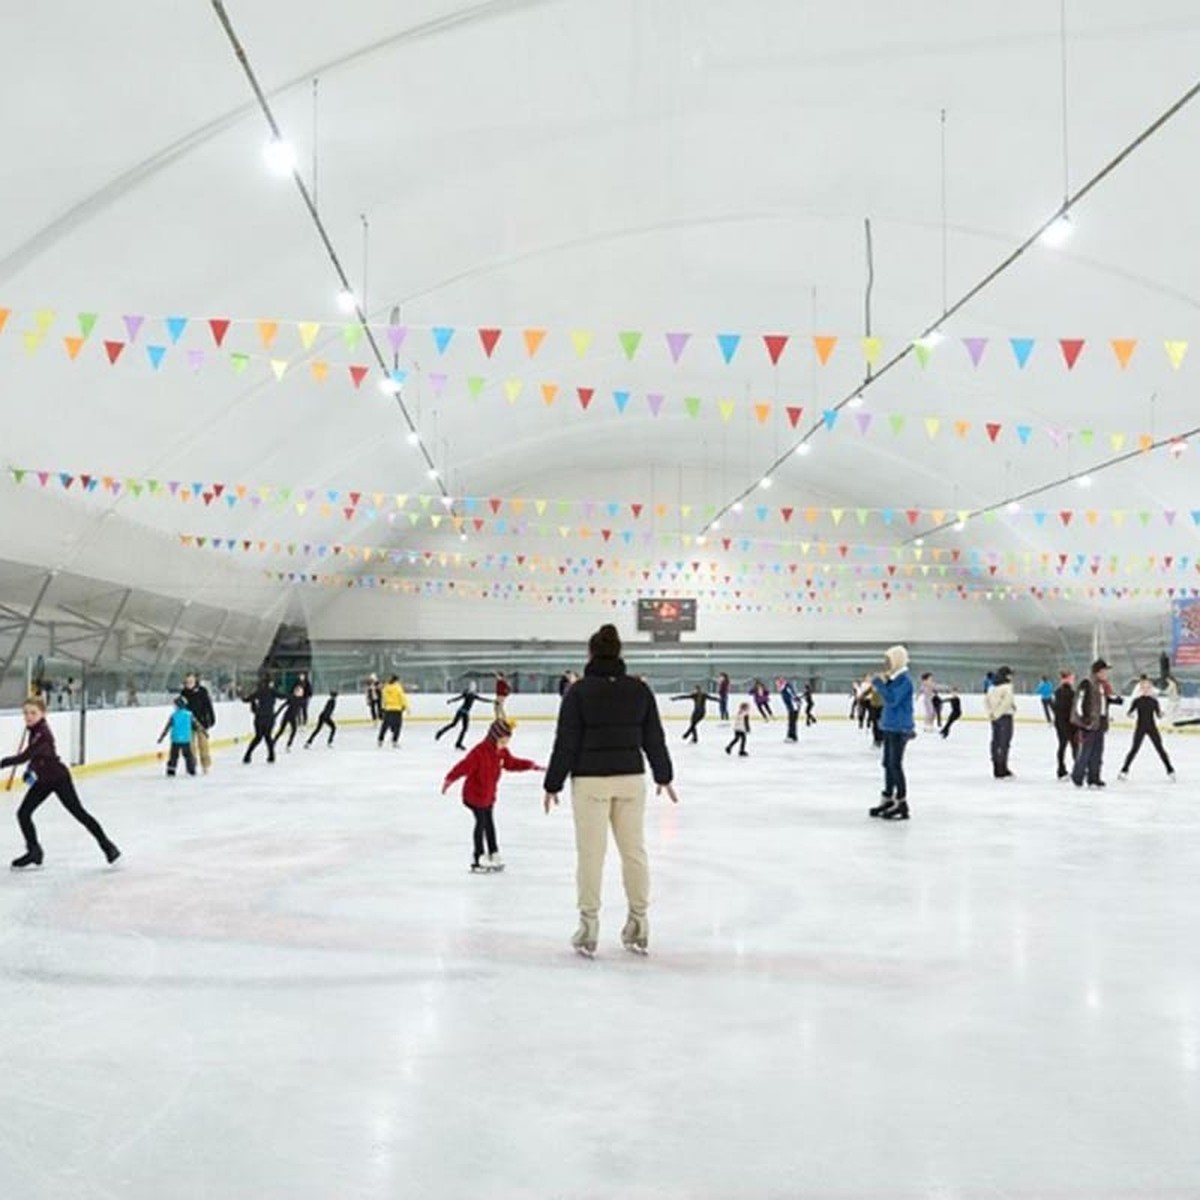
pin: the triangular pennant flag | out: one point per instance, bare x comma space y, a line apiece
1022, 348
395, 336
655, 401
441, 337
1175, 352
1024, 432
175, 328
351, 333
195, 359
676, 344
358, 374
437, 380
923, 349
585, 396
1145, 441
863, 420
872, 349
1123, 348
993, 430
830, 416
279, 366
1071, 349
475, 385
266, 332
512, 389
726, 407
691, 405
549, 392
488, 339
308, 331
581, 339
1117, 440
87, 322
896, 421
219, 327
533, 340
975, 348
113, 350
43, 319
630, 340
775, 343
5, 313
155, 355
239, 362
824, 346
73, 345
761, 413
621, 400
728, 344
794, 413
132, 325
932, 426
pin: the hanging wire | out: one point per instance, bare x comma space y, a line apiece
1062, 42
945, 252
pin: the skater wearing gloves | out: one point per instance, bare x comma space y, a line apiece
896, 725
607, 726
204, 717
699, 698
1145, 709
180, 726
480, 771
1001, 707
47, 776
394, 701
741, 730
325, 720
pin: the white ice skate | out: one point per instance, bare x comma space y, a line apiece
586, 936
495, 862
635, 936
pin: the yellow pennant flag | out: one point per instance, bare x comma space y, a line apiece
401, 500
932, 425
1117, 440
872, 349
43, 319
319, 369
308, 333
279, 366
512, 389
1118, 517
1175, 352
266, 332
581, 339
938, 515
837, 514
32, 342
540, 507
726, 409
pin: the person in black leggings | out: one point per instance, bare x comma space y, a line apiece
293, 715
48, 776
1145, 710
325, 720
699, 698
465, 701
262, 705
955, 712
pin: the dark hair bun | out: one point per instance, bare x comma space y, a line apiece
605, 643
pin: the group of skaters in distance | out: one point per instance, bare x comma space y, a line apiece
700, 698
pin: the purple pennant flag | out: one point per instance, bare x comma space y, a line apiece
676, 343
437, 380
589, 507
1057, 436
309, 493
864, 421
396, 335
975, 348
132, 325
195, 359
655, 400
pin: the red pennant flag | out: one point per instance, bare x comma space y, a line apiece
993, 430
478, 523
358, 374
113, 350
494, 504
489, 338
787, 513
605, 534
218, 488
794, 415
1065, 516
585, 396
355, 497
637, 510
219, 327
912, 514
1071, 349
776, 343
349, 513
208, 498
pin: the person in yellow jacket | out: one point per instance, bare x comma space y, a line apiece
395, 704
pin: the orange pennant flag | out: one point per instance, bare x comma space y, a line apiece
824, 347
1145, 441
1123, 348
266, 332
762, 412
5, 313
74, 345
549, 392
319, 369
533, 340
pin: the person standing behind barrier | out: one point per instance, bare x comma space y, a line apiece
373, 698
606, 724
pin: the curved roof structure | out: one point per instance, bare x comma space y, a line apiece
616, 261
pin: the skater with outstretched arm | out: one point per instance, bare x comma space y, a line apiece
1145, 710
608, 725
466, 701
325, 720
699, 698
262, 704
48, 775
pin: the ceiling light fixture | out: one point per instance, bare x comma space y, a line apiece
765, 481
959, 525
803, 449
737, 507
432, 473
414, 438
389, 387
1013, 506
1084, 481
280, 157
1058, 232
347, 301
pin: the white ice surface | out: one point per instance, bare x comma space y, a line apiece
292, 988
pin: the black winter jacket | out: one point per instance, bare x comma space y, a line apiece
200, 704
1064, 705
606, 721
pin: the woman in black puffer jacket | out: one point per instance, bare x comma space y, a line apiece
607, 723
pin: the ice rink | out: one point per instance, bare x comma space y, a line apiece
293, 989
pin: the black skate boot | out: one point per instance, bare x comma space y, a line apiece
31, 858
898, 812
882, 809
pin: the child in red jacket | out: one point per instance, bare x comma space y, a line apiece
481, 770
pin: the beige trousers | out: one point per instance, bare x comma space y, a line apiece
200, 745
598, 802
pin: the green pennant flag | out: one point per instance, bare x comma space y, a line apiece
989, 517
18, 473
1086, 437
1144, 517
285, 494
152, 486
630, 339
413, 518
564, 507
922, 350
692, 404
475, 385
352, 334
239, 362
87, 322
426, 501
896, 421
134, 486
710, 510
863, 513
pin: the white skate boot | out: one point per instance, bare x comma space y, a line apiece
586, 936
495, 862
635, 936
